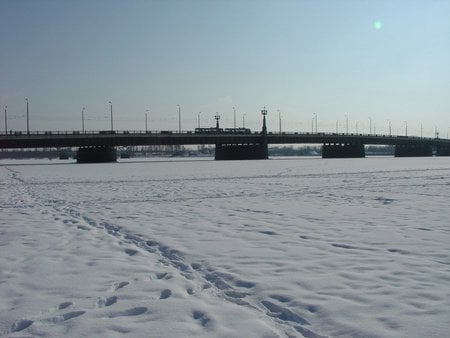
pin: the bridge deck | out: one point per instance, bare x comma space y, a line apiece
126, 138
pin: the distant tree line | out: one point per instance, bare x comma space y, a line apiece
177, 150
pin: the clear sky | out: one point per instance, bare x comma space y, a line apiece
348, 59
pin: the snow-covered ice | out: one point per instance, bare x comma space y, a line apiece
275, 248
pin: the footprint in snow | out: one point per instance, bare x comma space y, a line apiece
131, 252
163, 275
66, 316
64, 305
103, 302
20, 325
135, 311
73, 314
117, 286
166, 293
201, 317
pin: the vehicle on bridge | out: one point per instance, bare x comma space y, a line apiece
221, 130
237, 131
208, 130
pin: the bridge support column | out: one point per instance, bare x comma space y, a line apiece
256, 151
241, 152
413, 150
442, 151
98, 154
343, 150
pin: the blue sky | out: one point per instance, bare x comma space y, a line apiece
297, 57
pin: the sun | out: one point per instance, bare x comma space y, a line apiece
377, 25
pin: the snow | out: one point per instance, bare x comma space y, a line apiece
275, 248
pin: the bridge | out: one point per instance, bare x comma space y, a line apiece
231, 144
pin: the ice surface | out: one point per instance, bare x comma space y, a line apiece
276, 248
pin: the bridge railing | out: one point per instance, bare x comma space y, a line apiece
188, 132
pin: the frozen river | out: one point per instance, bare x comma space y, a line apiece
275, 248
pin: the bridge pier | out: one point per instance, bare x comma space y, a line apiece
413, 150
96, 154
241, 152
442, 151
255, 151
343, 150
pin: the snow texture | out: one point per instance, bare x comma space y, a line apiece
276, 248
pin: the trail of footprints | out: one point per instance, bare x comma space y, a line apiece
101, 302
226, 285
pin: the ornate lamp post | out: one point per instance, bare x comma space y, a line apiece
217, 117
264, 113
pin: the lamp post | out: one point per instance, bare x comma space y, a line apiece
198, 119
6, 121
82, 120
421, 130
346, 123
28, 118
279, 120
370, 126
234, 117
179, 118
112, 125
315, 117
356, 127
337, 126
264, 113
390, 133
243, 120
146, 119
217, 117
406, 128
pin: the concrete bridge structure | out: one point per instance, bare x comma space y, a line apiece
100, 146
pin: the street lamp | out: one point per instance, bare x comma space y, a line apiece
370, 126
217, 117
82, 120
179, 118
390, 134
406, 128
243, 120
234, 110
346, 123
315, 117
198, 119
279, 120
112, 126
6, 121
28, 118
146, 119
264, 113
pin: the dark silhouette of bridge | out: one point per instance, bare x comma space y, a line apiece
230, 144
